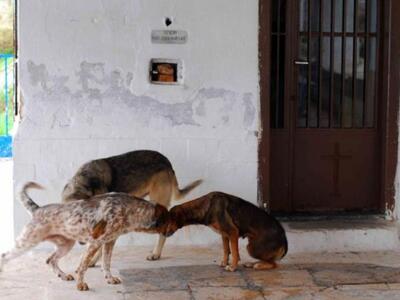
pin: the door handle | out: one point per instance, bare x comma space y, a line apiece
300, 62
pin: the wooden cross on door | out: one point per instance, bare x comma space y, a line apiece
336, 158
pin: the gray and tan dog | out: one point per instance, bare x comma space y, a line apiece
97, 221
139, 173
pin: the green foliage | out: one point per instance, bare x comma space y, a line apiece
3, 113
6, 28
6, 42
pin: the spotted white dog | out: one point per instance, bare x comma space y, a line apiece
98, 222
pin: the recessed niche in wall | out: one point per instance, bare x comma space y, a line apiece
166, 71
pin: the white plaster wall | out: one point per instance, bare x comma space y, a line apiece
397, 180
83, 78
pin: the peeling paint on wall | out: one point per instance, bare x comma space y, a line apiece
209, 107
249, 110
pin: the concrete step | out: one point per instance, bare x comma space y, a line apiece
342, 235
306, 236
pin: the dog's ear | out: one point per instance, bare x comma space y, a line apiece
99, 229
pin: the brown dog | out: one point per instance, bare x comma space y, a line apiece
139, 173
233, 217
97, 221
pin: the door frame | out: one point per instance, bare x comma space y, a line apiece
388, 92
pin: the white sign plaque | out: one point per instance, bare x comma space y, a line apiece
169, 36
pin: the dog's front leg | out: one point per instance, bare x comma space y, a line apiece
234, 244
227, 251
83, 266
107, 253
95, 258
158, 248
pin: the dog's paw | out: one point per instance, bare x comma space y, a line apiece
248, 265
113, 280
66, 277
82, 286
153, 257
223, 264
264, 266
230, 268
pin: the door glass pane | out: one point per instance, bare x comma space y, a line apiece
347, 106
361, 15
274, 80
371, 84
326, 81
372, 11
303, 48
359, 84
326, 15
302, 101
338, 87
277, 86
349, 15
282, 13
314, 83
281, 80
274, 16
337, 82
302, 96
338, 15
303, 15
315, 13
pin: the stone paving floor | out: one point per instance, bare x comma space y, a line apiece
193, 273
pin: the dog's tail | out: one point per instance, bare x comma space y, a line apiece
180, 193
27, 201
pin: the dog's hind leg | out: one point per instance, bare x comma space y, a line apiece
81, 285
251, 251
64, 246
249, 264
160, 189
29, 238
227, 251
234, 244
107, 253
257, 249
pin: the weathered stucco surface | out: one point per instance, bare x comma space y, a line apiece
84, 84
86, 94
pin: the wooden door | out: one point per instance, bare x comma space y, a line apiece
324, 123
